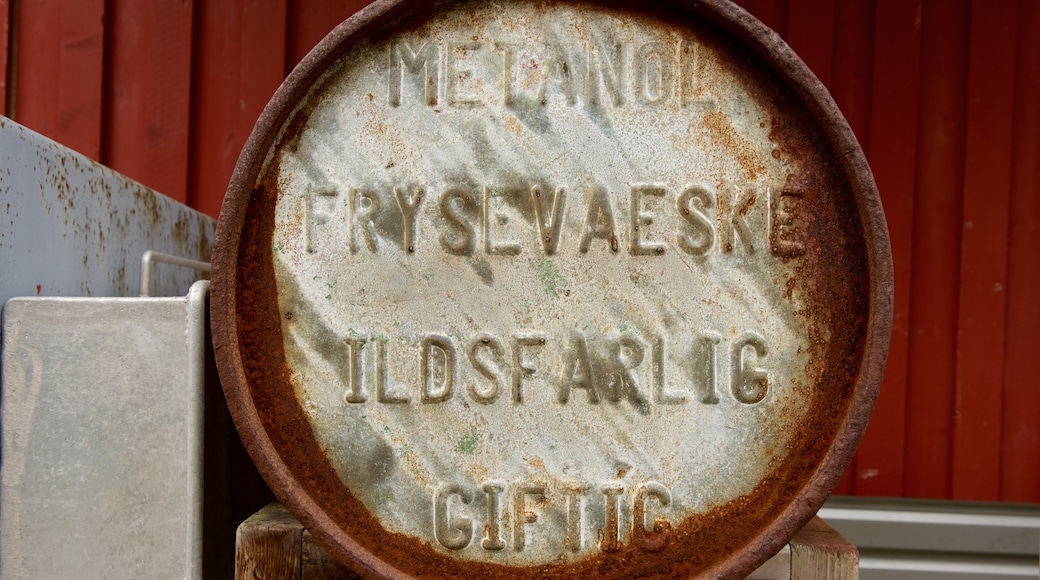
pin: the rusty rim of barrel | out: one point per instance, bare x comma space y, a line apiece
248, 338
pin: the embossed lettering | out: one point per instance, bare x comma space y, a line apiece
692, 65
734, 205
457, 215
599, 222
610, 540
653, 74
354, 392
655, 538
438, 369
404, 58
694, 228
661, 396
549, 226
490, 246
782, 234
688, 72
522, 517
650, 530
692, 203
660, 73
492, 527
607, 67
608, 369
381, 393
457, 78
577, 371
628, 354
749, 384
408, 207
637, 247
521, 366
706, 381
312, 217
494, 348
454, 533
574, 495
363, 205
557, 72
507, 72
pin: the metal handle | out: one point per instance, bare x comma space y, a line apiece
152, 256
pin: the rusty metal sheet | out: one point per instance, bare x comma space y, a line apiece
552, 289
70, 226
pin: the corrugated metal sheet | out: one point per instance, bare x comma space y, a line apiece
916, 539
941, 94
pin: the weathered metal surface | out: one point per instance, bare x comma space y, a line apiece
273, 545
102, 414
552, 289
72, 227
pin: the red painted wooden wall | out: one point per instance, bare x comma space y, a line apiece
943, 95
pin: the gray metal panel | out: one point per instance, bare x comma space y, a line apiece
913, 539
72, 227
102, 418
910, 565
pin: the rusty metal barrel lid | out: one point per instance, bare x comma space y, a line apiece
552, 289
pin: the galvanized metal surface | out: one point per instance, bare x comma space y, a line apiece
552, 289
912, 539
102, 437
72, 227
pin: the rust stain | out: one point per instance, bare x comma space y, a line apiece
833, 282
726, 138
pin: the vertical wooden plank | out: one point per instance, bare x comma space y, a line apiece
309, 22
60, 56
149, 48
893, 157
936, 248
810, 32
1020, 457
238, 63
262, 58
852, 72
214, 130
5, 16
772, 13
37, 63
987, 190
853, 65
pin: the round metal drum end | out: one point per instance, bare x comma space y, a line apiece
552, 289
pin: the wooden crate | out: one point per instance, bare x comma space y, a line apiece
272, 545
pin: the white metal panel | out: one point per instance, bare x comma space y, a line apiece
102, 430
